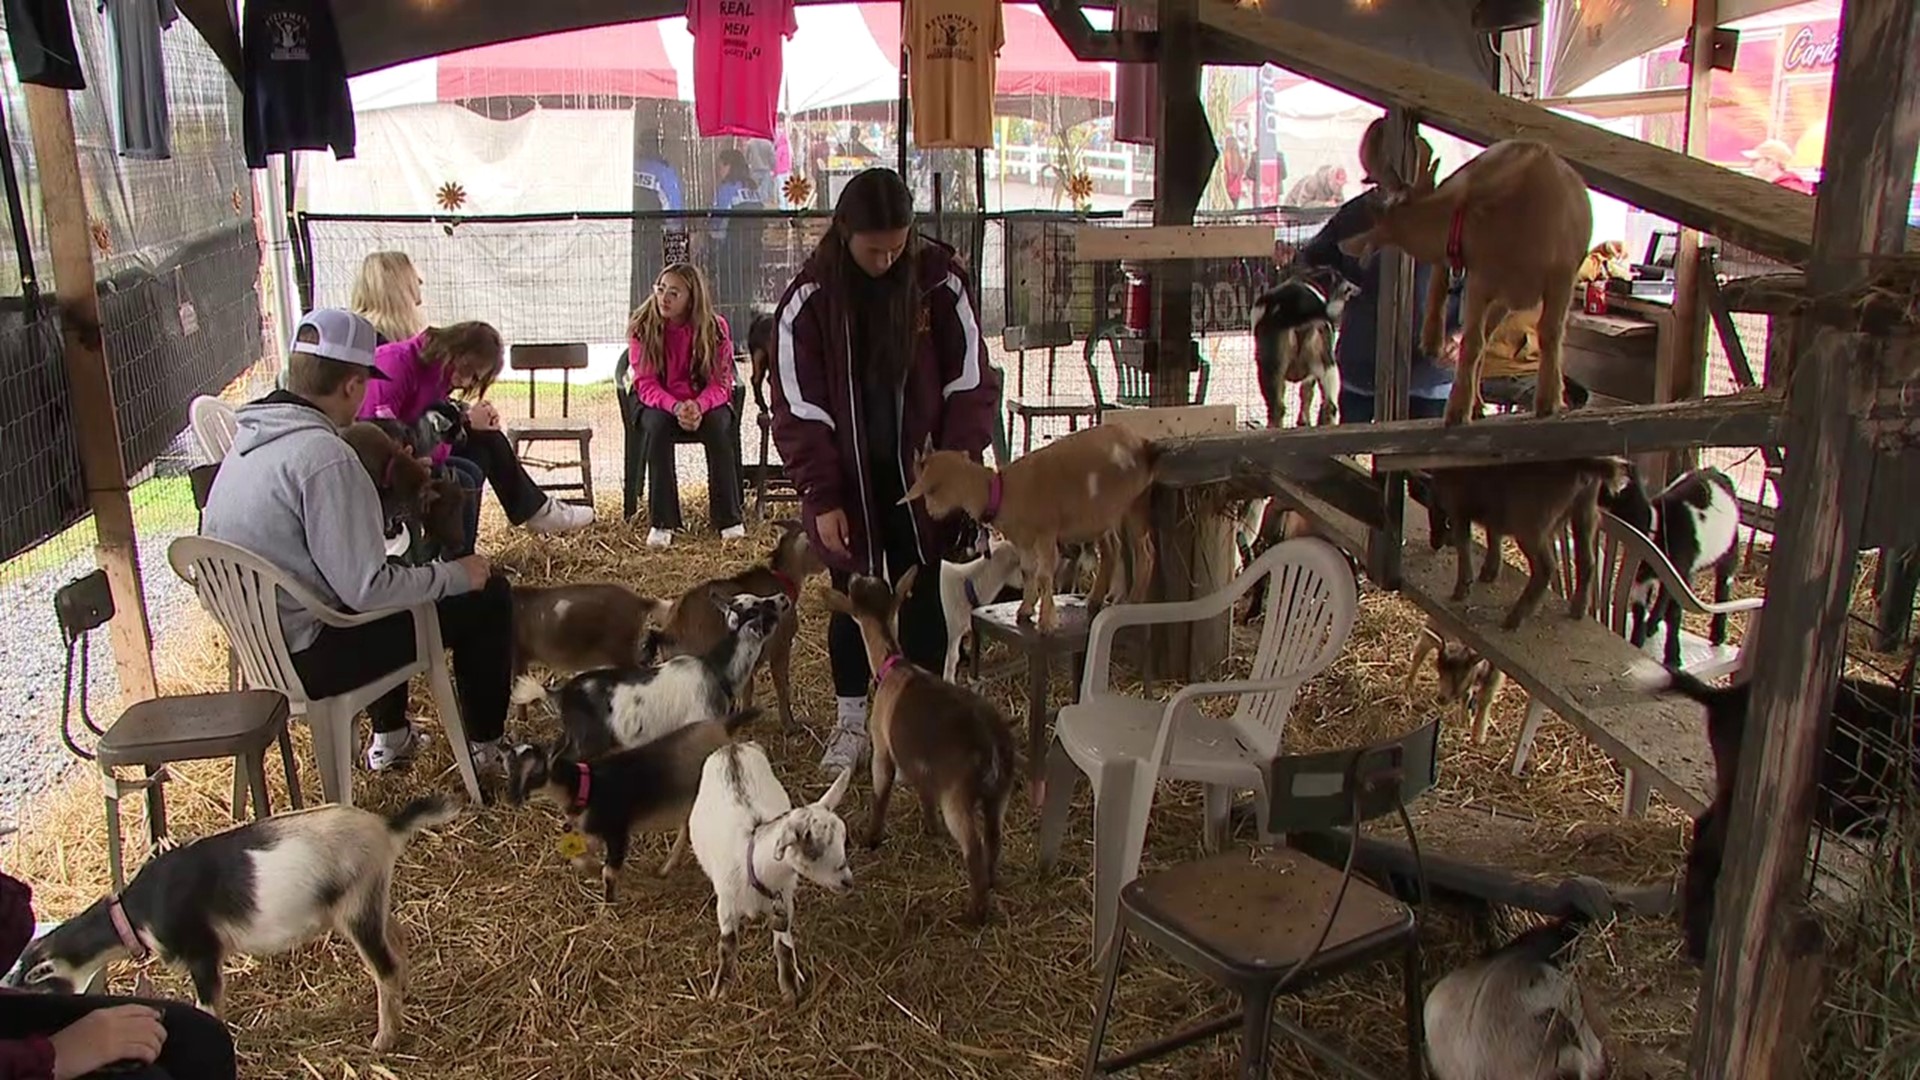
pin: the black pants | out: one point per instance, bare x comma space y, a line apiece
476, 626
470, 477
519, 496
659, 436
198, 1046
923, 626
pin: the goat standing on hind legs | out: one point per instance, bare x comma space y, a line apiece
1517, 220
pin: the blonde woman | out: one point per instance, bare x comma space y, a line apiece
387, 294
681, 356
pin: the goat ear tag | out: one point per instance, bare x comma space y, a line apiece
572, 845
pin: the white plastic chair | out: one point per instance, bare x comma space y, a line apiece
1125, 745
241, 590
213, 424
1624, 549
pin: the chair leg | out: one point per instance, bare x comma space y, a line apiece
1536, 715
1119, 830
1105, 1008
1416, 1020
1061, 772
1634, 802
239, 789
1256, 1032
156, 806
1219, 811
448, 707
333, 747
586, 474
293, 770
116, 859
255, 765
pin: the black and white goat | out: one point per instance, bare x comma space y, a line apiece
1293, 342
965, 586
1515, 1014
625, 707
756, 846
1696, 523
255, 890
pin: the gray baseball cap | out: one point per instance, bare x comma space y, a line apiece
343, 336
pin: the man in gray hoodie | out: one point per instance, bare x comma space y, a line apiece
293, 492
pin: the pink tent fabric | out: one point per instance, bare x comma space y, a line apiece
616, 61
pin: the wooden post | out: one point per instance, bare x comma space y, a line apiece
1754, 1006
1685, 345
1183, 159
1393, 359
95, 423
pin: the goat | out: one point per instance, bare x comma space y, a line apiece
1466, 679
1089, 485
1869, 758
255, 890
966, 586
650, 787
408, 490
1530, 501
625, 707
1517, 220
950, 743
1293, 342
1695, 522
694, 625
1515, 1014
583, 627
755, 846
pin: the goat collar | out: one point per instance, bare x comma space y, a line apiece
994, 491
973, 594
1456, 227
581, 792
791, 586
886, 668
753, 876
1318, 293
123, 926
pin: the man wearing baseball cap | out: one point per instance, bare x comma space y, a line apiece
1772, 162
293, 492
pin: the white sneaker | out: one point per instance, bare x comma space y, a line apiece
387, 752
734, 532
659, 538
848, 743
560, 517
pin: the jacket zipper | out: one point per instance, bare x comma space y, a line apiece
853, 414
900, 460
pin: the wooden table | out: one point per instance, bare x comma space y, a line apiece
1626, 357
999, 622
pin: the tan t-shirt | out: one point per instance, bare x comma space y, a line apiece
951, 45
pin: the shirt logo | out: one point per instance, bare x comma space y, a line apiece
289, 36
954, 38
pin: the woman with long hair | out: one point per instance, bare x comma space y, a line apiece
680, 355
386, 293
878, 355
426, 372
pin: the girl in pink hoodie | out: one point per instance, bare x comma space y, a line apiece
680, 354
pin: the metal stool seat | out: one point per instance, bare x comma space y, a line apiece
197, 726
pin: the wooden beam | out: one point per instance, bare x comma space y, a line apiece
1763, 217
1754, 1008
1683, 358
1751, 419
1095, 243
1623, 105
1086, 43
95, 422
1394, 346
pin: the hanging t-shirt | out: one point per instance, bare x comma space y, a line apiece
40, 34
294, 81
737, 64
951, 46
1135, 85
140, 126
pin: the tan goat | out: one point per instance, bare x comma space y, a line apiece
1089, 486
1466, 680
1517, 220
950, 744
576, 628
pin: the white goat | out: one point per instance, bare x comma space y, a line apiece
966, 586
1515, 1014
755, 846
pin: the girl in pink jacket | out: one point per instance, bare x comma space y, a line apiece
680, 354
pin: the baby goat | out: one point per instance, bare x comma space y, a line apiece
650, 787
755, 846
1293, 342
1466, 679
694, 625
1515, 1014
575, 628
1090, 485
1517, 220
408, 490
256, 890
625, 707
1695, 522
950, 743
1531, 501
969, 585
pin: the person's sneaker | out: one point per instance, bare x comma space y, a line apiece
660, 538
845, 750
734, 532
560, 517
489, 757
390, 750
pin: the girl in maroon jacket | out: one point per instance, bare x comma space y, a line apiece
877, 354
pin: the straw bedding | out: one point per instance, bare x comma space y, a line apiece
519, 971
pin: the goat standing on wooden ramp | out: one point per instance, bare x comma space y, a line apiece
1695, 522
256, 890
949, 743
1293, 343
1515, 1014
1517, 220
1090, 485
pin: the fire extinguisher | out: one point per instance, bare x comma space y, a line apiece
1139, 307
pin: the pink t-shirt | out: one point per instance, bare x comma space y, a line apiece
736, 64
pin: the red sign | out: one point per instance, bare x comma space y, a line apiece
1811, 47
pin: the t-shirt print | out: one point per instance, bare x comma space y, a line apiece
951, 48
737, 64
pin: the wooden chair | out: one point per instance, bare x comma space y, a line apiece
767, 479
634, 475
1131, 389
1275, 921
242, 591
566, 359
152, 734
1023, 409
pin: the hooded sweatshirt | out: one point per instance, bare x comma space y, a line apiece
293, 491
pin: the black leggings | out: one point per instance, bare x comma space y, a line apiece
519, 496
198, 1046
476, 626
923, 632
660, 433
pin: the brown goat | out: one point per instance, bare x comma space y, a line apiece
951, 745
1517, 220
1467, 680
575, 628
407, 486
694, 624
1089, 486
1531, 501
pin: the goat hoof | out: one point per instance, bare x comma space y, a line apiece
873, 842
385, 1041
1511, 622
1459, 596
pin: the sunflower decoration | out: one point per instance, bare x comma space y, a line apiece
102, 237
451, 196
798, 190
1080, 190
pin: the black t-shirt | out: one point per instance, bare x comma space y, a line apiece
294, 80
40, 33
